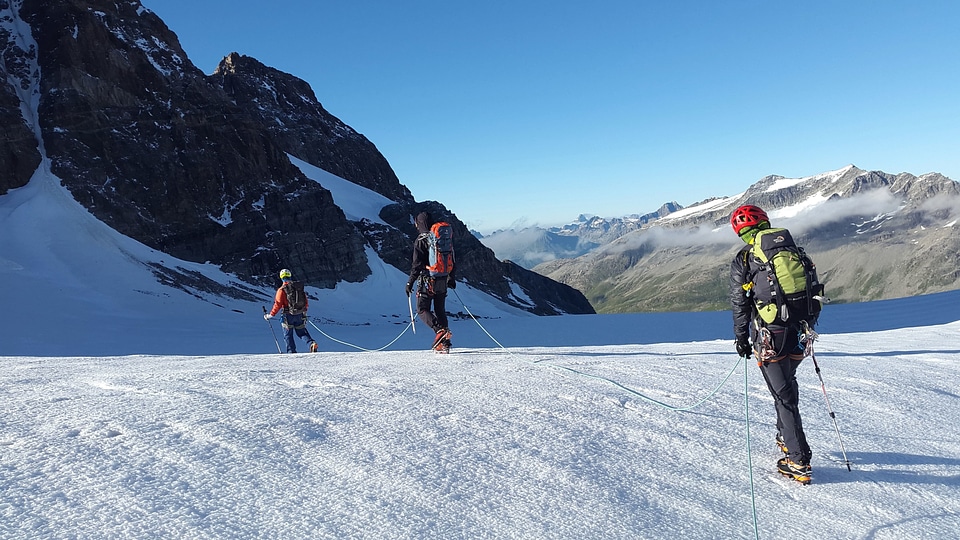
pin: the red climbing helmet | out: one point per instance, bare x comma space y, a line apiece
747, 215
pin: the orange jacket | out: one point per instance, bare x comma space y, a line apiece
280, 302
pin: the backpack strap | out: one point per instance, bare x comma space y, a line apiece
286, 292
776, 292
766, 267
814, 288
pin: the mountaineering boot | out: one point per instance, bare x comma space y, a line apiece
800, 473
314, 347
442, 334
443, 347
782, 445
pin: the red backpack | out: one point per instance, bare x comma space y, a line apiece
440, 243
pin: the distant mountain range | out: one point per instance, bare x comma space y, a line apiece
531, 246
873, 235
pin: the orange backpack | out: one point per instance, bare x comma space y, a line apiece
440, 242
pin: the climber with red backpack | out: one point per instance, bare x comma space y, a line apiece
431, 274
776, 298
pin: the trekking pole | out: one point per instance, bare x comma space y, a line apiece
413, 325
272, 331
830, 410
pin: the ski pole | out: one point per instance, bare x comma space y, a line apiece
272, 331
830, 410
410, 305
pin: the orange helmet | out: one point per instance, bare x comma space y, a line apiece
747, 215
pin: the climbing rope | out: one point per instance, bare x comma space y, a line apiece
619, 385
615, 383
359, 348
740, 360
746, 416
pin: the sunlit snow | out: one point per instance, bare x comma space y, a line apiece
132, 410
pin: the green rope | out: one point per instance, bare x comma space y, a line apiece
641, 395
601, 378
746, 401
746, 414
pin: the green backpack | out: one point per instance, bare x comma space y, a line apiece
785, 287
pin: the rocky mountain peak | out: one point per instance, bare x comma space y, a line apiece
288, 108
198, 166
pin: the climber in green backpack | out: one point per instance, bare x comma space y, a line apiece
776, 298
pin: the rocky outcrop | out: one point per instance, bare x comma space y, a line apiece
19, 155
289, 110
19, 151
146, 142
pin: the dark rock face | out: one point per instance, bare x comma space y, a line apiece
152, 148
295, 119
19, 155
197, 166
19, 152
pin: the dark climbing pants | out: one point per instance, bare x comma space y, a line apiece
432, 292
781, 378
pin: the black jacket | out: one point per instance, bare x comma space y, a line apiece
741, 273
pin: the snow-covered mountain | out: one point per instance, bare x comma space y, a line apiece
101, 96
531, 246
872, 234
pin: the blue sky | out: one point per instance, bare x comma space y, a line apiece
531, 112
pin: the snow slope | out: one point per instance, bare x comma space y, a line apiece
546, 442
535, 427
132, 410
73, 286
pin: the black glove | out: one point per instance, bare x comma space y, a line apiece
409, 288
451, 283
743, 348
